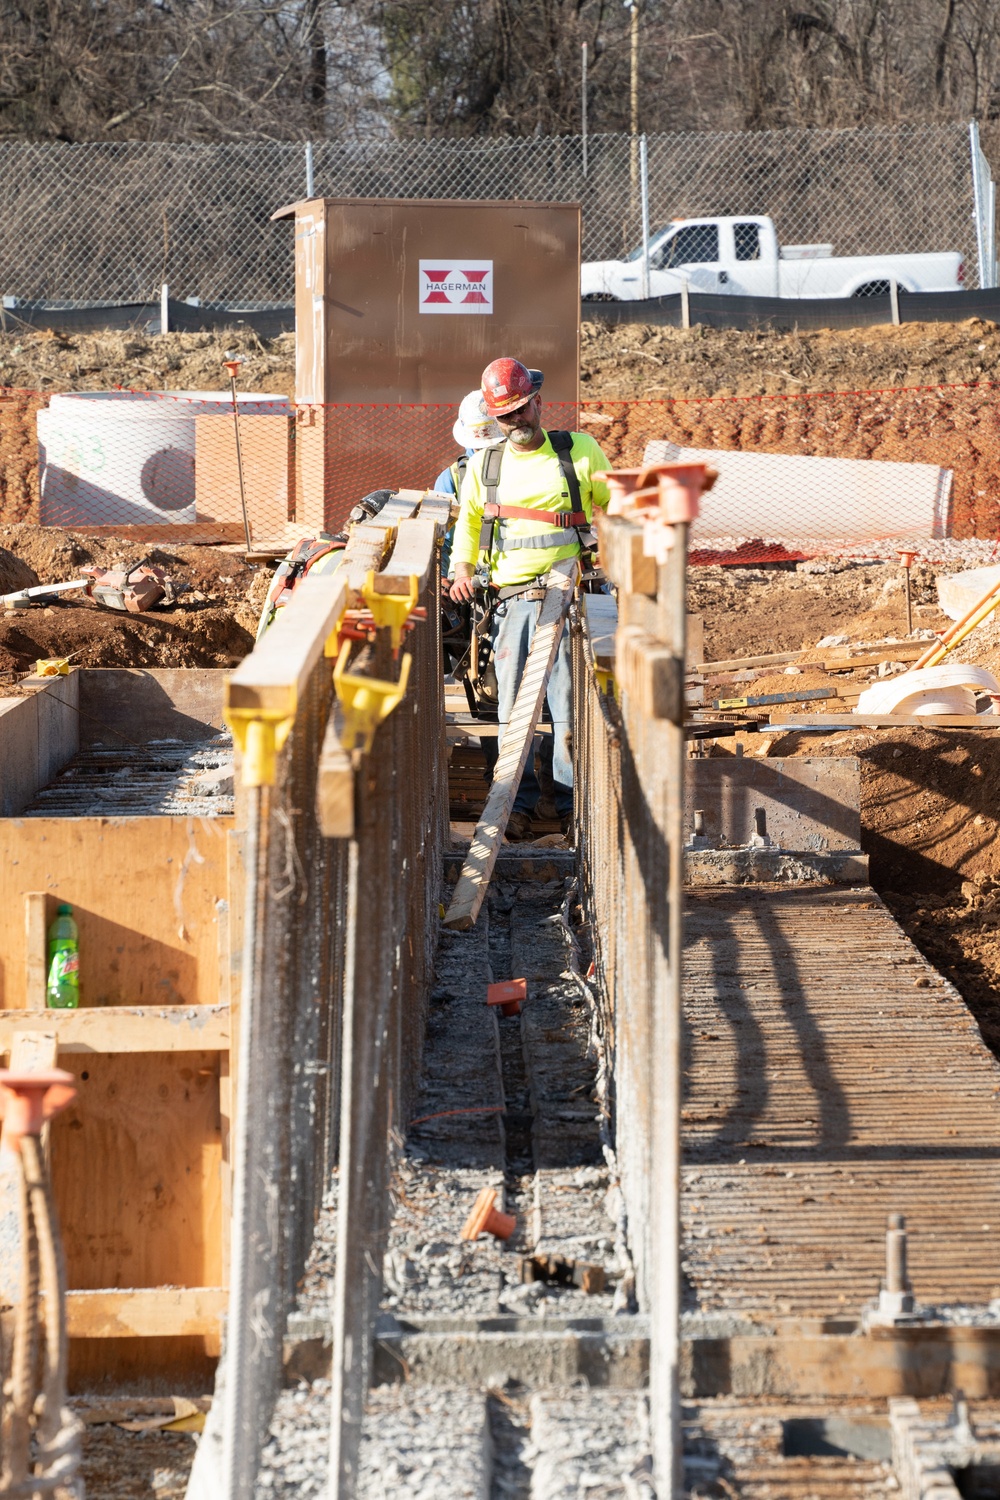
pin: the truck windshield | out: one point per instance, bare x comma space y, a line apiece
693, 244
654, 241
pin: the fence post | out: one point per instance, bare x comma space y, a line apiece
685, 304
310, 183
644, 195
894, 300
164, 308
978, 205
583, 104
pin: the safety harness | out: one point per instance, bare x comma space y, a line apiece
295, 566
563, 520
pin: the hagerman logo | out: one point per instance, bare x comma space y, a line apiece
456, 286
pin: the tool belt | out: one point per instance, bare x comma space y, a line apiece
529, 590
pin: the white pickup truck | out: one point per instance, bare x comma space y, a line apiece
742, 257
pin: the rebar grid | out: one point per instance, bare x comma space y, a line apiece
113, 222
338, 948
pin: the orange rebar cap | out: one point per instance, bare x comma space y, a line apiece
509, 995
485, 1218
29, 1099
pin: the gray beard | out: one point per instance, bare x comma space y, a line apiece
521, 436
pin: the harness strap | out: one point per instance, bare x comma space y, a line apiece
564, 519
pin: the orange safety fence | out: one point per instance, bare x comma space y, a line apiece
799, 475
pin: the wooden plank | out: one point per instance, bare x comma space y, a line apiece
273, 677
694, 649
650, 674
180, 533
119, 1028
474, 880
832, 662
600, 612
413, 556
364, 554
35, 950
335, 781
621, 556
887, 721
145, 1312
439, 508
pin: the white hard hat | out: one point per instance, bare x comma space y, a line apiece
475, 428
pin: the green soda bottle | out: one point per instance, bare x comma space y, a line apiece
63, 989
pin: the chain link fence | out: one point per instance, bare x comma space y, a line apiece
113, 223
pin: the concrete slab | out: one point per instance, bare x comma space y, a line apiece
811, 803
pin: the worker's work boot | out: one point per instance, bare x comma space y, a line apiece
518, 827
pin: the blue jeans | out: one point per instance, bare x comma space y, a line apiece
513, 631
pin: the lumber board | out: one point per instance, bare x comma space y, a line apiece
621, 555
600, 611
36, 909
833, 661
650, 674
273, 677
145, 1312
122, 1028
800, 695
440, 508
412, 556
886, 721
335, 781
364, 554
474, 880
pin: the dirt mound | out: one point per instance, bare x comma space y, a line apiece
212, 625
187, 636
638, 362
47, 361
15, 574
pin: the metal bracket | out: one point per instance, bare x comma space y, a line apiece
391, 609
366, 701
260, 735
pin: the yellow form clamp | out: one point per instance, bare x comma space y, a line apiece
366, 701
260, 735
391, 609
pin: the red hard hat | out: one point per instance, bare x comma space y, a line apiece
506, 385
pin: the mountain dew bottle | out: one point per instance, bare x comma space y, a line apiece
63, 989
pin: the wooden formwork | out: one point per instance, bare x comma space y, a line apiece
140, 1163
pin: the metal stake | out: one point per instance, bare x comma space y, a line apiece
906, 558
583, 103
233, 365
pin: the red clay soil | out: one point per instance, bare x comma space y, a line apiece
954, 427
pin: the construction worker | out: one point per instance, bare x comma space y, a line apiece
526, 505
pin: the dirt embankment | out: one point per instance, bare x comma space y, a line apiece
213, 624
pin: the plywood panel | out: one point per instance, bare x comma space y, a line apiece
136, 1170
177, 703
143, 892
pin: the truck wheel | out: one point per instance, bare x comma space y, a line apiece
874, 289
